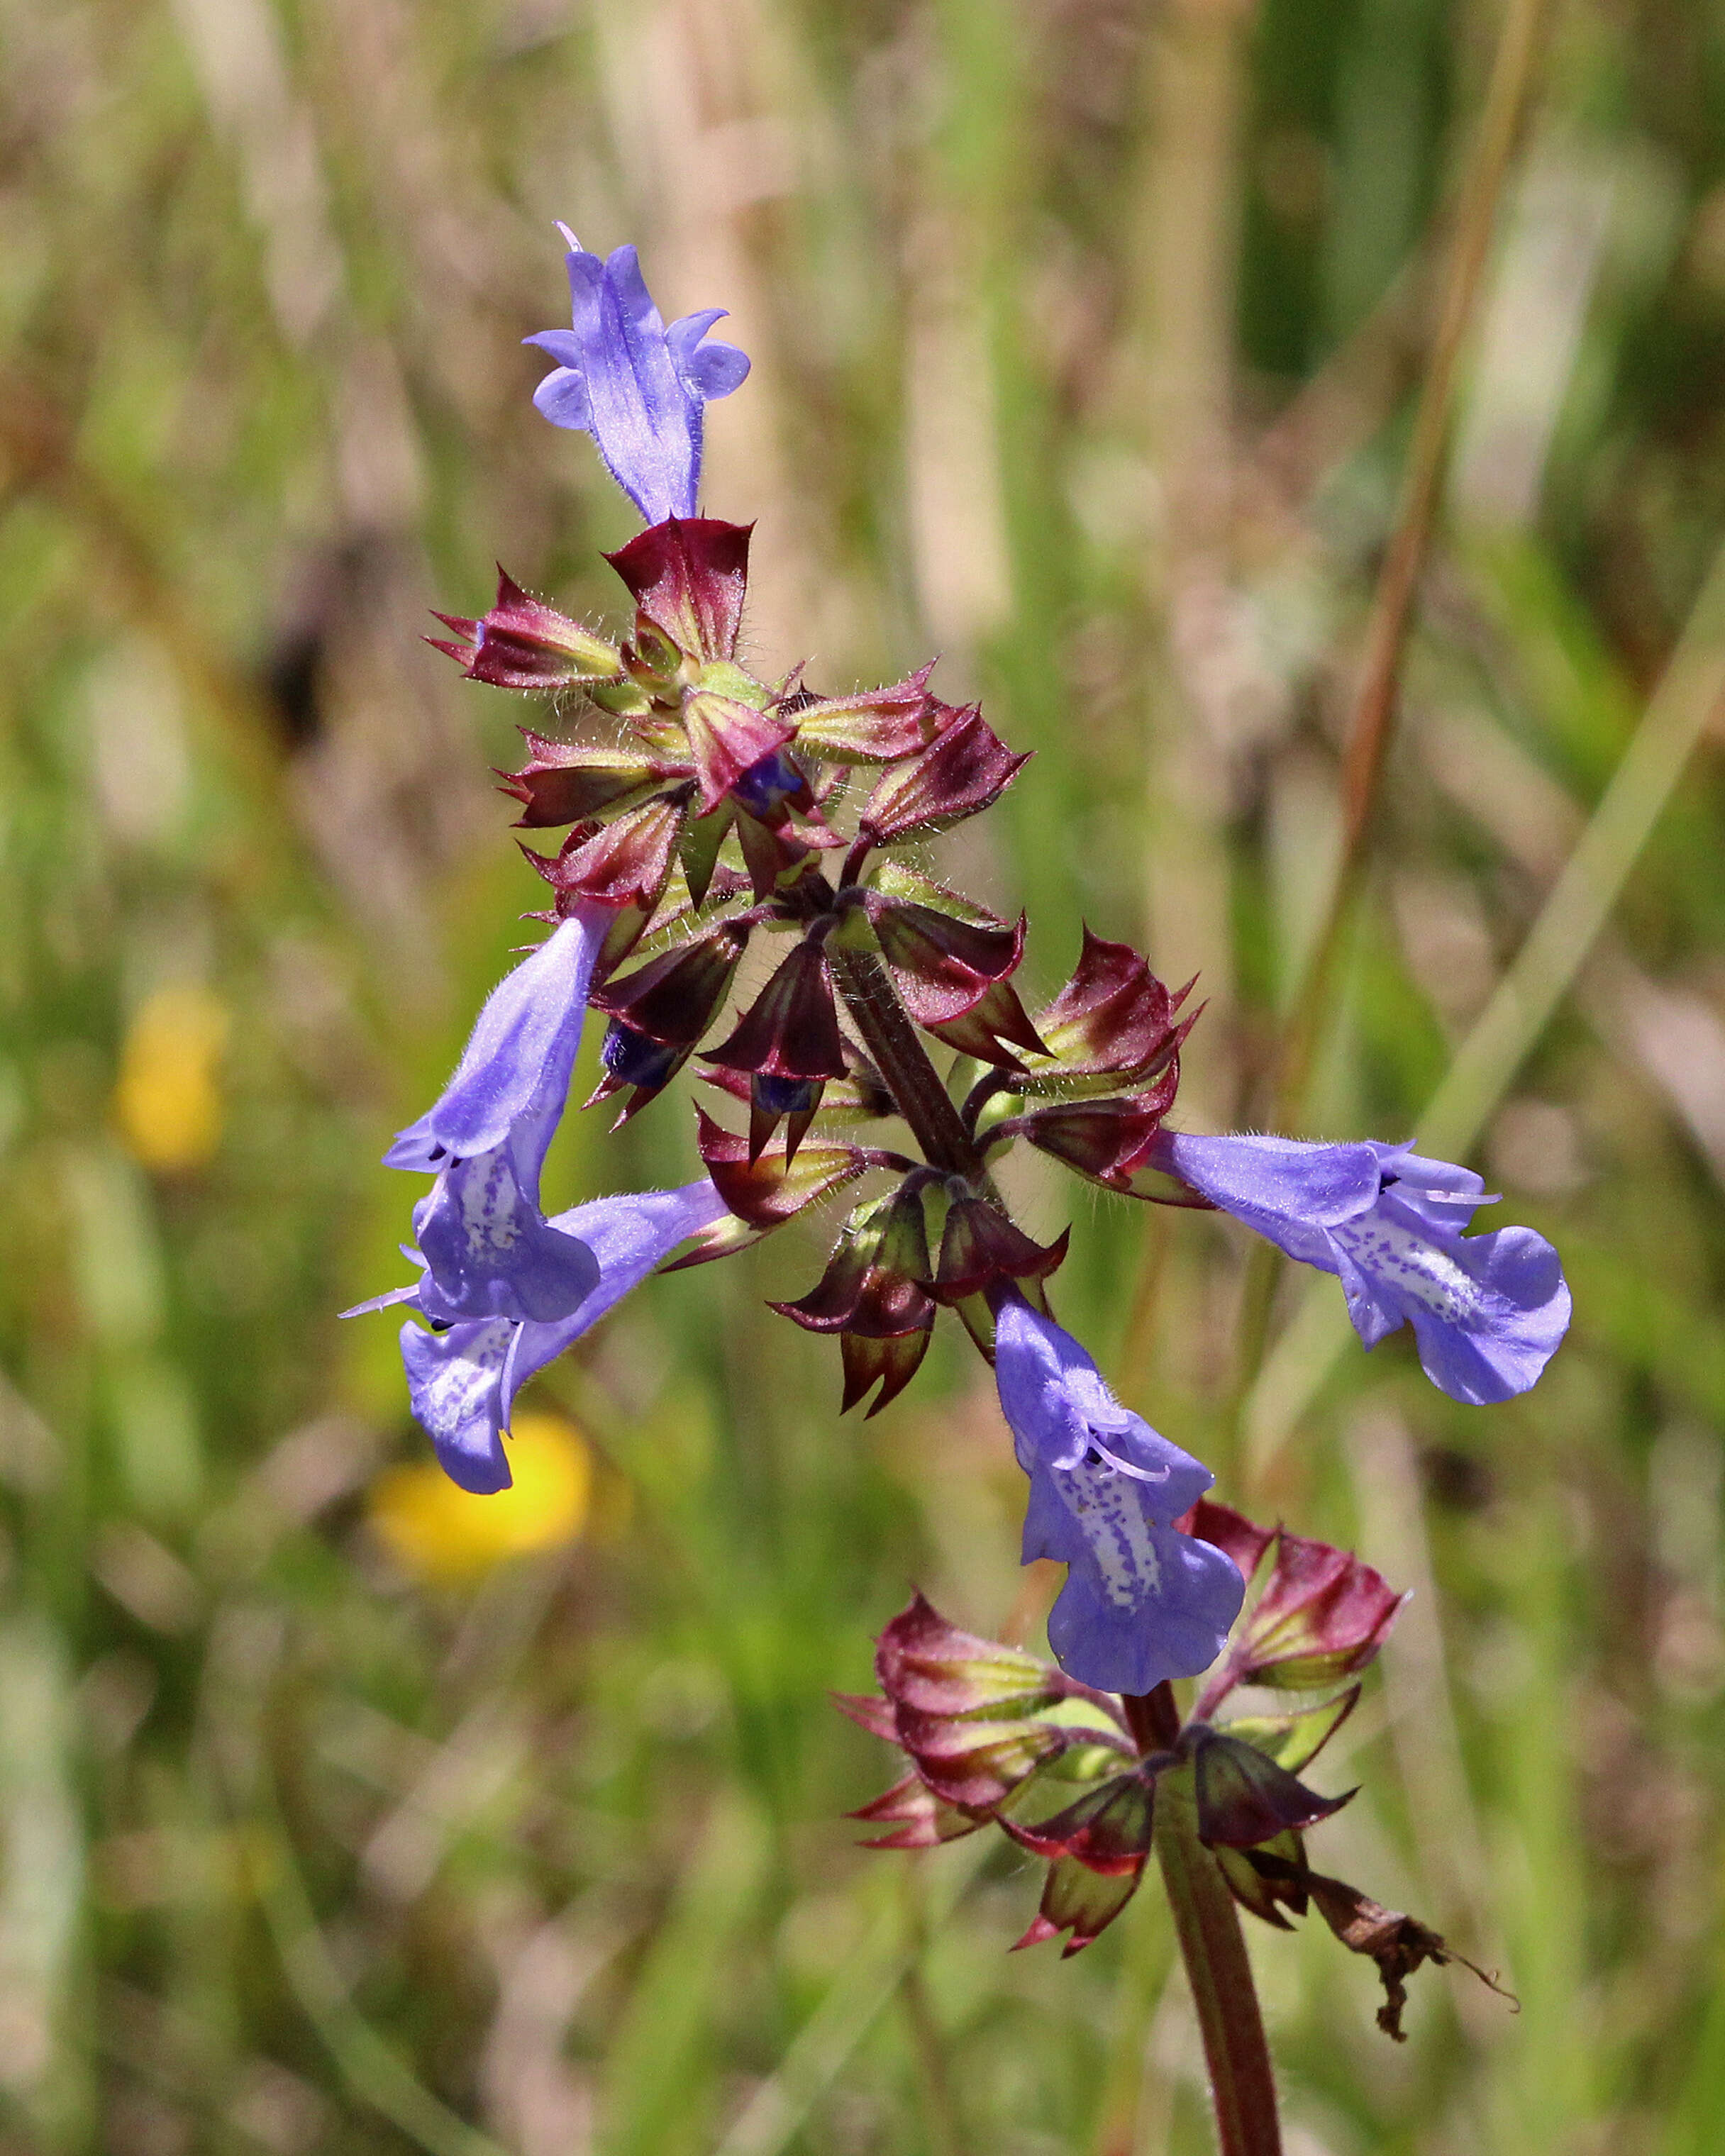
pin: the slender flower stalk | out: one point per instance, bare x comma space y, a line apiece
1213, 1948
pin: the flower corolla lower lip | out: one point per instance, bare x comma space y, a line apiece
636, 386
490, 1250
1141, 1601
1487, 1311
463, 1377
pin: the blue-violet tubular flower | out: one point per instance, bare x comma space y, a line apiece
1141, 1601
462, 1378
488, 1249
1487, 1311
635, 386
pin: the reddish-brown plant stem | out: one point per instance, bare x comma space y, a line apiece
1207, 1926
1153, 1718
902, 1061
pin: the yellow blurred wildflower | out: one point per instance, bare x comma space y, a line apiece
441, 1533
168, 1101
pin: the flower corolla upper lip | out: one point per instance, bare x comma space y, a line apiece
635, 386
489, 1250
1319, 1186
1060, 1411
518, 1062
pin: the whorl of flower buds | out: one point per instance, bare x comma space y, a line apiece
1071, 1773
1079, 1777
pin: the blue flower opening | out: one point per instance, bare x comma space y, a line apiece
638, 388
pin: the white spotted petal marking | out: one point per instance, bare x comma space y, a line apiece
1112, 1522
490, 1199
1411, 1261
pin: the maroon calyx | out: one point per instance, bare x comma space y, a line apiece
690, 575
965, 769
523, 644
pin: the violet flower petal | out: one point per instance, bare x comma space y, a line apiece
454, 1387
491, 1253
1487, 1311
513, 1077
462, 1381
636, 386
490, 1250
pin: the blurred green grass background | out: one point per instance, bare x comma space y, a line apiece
1085, 332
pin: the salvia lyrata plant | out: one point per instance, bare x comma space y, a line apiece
704, 808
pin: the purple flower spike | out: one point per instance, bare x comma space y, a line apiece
489, 1250
1487, 1311
462, 1381
1141, 1601
635, 386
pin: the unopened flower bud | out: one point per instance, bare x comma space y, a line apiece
1322, 1615
632, 1059
981, 1247
771, 788
766, 1187
660, 1012
730, 729
875, 1290
1108, 1140
878, 726
523, 644
567, 782
622, 866
964, 770
1114, 1023
951, 975
789, 1032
